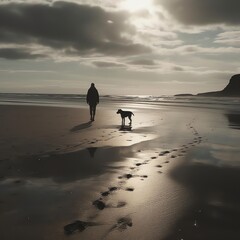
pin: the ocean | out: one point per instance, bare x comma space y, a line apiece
75, 100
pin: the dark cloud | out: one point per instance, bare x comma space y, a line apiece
203, 12
142, 62
108, 64
68, 26
177, 69
14, 53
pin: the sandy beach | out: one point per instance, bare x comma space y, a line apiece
70, 169
173, 174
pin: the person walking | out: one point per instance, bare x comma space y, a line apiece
92, 100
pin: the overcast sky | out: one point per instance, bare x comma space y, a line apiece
152, 47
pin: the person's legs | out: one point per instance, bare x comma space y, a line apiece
91, 111
94, 110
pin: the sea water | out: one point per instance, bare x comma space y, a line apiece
79, 100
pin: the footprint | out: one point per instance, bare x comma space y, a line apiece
119, 204
111, 189
104, 194
78, 226
99, 204
17, 181
129, 189
122, 224
163, 153
128, 176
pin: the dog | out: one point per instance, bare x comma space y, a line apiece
125, 114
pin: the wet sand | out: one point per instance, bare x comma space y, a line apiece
173, 174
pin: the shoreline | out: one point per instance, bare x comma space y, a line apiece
114, 182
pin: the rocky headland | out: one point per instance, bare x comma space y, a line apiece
231, 90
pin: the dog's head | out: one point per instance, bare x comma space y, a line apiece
119, 111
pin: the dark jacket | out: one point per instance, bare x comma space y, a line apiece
92, 96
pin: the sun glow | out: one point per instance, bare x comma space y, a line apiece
136, 5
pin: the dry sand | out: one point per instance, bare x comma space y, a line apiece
173, 175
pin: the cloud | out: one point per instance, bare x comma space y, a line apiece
69, 27
195, 49
148, 62
161, 67
15, 53
26, 71
203, 12
156, 37
177, 68
229, 38
103, 64
107, 4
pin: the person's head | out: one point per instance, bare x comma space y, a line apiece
92, 85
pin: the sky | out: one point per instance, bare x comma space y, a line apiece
126, 47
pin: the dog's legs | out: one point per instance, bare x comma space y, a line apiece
130, 120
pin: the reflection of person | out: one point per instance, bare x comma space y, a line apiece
92, 99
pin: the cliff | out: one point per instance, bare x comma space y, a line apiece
231, 90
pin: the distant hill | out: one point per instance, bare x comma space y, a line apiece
231, 90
